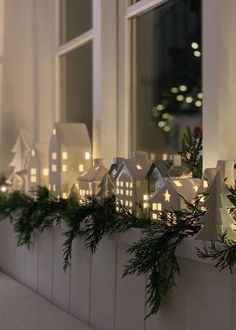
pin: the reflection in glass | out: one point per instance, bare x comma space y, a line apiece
167, 75
76, 102
76, 18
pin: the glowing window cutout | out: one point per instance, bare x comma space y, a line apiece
205, 184
81, 167
87, 155
64, 168
54, 168
64, 155
33, 171
33, 179
167, 196
45, 172
178, 183
54, 155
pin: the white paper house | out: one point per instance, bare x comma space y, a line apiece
69, 155
207, 178
135, 179
38, 171
89, 182
168, 197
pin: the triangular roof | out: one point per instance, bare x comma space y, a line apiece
94, 173
72, 134
138, 168
162, 168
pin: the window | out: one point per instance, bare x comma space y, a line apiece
165, 73
75, 62
64, 155
64, 168
81, 167
54, 155
45, 172
54, 168
33, 171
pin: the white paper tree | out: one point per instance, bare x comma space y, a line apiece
217, 219
19, 161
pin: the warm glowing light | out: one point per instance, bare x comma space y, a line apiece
200, 95
167, 196
64, 168
152, 156
64, 155
121, 191
164, 156
81, 167
202, 198
183, 88
178, 183
145, 205
145, 197
166, 128
121, 201
33, 171
126, 203
194, 45
54, 168
54, 131
54, 155
162, 123
53, 187
174, 90
165, 115
33, 179
49, 187
117, 190
139, 167
160, 107
131, 193
131, 185
205, 184
154, 216
3, 188
195, 188
33, 152
130, 204
180, 97
45, 172
127, 192
121, 183
189, 99
64, 195
159, 206
197, 53
127, 184
198, 103
87, 155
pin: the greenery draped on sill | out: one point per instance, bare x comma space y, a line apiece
153, 254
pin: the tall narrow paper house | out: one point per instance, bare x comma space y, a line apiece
37, 169
69, 155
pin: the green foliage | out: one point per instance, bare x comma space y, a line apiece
192, 151
222, 252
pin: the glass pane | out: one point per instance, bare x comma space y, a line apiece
167, 75
77, 86
76, 18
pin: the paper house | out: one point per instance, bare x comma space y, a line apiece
206, 180
108, 183
227, 169
38, 171
69, 155
168, 197
89, 182
136, 179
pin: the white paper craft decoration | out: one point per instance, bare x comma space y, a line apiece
168, 197
207, 178
108, 184
136, 178
37, 170
69, 155
227, 168
217, 219
21, 150
89, 182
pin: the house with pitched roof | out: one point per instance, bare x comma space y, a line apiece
172, 193
89, 182
69, 155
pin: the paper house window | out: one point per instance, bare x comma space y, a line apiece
127, 192
205, 184
157, 206
117, 190
145, 205
167, 196
54, 168
139, 167
33, 152
64, 168
121, 183
122, 202
64, 195
53, 187
121, 191
64, 155
131, 184
126, 203
127, 184
154, 216
130, 204
178, 183
33, 171
118, 183
87, 155
49, 187
54, 155
45, 172
54, 131
131, 193
33, 179
81, 167
145, 197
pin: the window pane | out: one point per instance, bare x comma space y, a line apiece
76, 18
77, 86
166, 75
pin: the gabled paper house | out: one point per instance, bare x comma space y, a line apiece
89, 182
69, 155
168, 196
38, 171
108, 183
136, 179
206, 180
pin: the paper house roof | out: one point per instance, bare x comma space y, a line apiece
72, 134
208, 175
137, 168
94, 173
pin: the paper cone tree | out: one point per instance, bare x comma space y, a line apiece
217, 219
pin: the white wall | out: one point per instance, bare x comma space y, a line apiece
94, 292
27, 58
